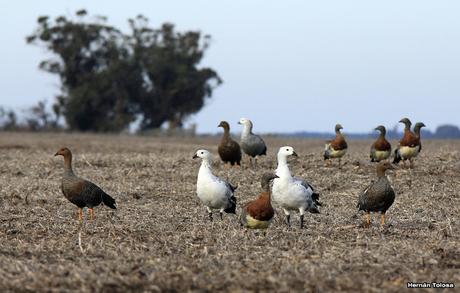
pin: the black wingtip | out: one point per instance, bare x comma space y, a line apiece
315, 198
314, 210
109, 201
397, 157
264, 153
232, 208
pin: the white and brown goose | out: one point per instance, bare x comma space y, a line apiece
381, 148
336, 148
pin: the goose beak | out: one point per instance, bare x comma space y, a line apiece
195, 156
239, 122
56, 154
295, 154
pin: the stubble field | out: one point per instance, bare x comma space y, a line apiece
160, 239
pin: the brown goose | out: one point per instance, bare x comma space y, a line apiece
381, 148
80, 192
417, 128
408, 146
379, 195
337, 147
228, 149
258, 213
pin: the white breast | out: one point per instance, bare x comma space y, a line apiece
408, 152
382, 155
212, 192
290, 194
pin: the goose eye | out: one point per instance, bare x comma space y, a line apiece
202, 153
287, 150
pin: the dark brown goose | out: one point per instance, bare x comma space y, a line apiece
337, 147
408, 145
258, 213
80, 192
379, 195
381, 148
228, 149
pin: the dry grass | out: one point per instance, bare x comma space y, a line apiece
160, 239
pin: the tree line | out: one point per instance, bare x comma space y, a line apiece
110, 79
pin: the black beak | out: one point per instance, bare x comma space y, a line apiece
276, 176
195, 156
239, 122
295, 154
56, 154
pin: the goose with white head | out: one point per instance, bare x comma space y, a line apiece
291, 193
251, 144
214, 192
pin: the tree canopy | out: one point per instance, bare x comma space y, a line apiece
110, 79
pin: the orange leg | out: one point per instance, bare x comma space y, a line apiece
382, 221
368, 219
91, 213
80, 214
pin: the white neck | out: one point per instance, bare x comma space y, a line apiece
247, 128
205, 167
283, 169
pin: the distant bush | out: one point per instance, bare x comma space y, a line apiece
447, 131
36, 118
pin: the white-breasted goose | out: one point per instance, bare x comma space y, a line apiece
252, 144
379, 195
214, 192
408, 145
258, 214
381, 148
228, 149
337, 147
81, 192
291, 193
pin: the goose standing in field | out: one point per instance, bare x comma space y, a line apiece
258, 213
381, 148
214, 193
417, 129
291, 193
379, 195
80, 192
409, 145
228, 149
252, 145
337, 147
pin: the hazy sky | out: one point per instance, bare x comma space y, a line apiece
287, 65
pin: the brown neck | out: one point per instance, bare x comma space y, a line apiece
226, 133
380, 172
68, 162
266, 197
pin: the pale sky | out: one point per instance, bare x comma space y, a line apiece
287, 65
